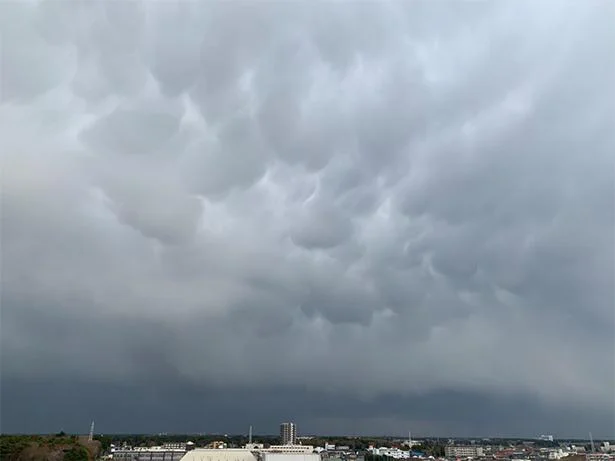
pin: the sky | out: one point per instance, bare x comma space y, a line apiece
367, 217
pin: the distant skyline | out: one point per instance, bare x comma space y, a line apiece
363, 217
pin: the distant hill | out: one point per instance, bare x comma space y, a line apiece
47, 448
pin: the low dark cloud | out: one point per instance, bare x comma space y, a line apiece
362, 216
189, 408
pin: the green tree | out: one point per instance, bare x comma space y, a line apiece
76, 453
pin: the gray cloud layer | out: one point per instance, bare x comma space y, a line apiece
358, 200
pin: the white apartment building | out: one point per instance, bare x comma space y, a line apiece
599, 457
556, 454
469, 451
289, 456
223, 454
288, 433
148, 454
394, 453
254, 446
289, 449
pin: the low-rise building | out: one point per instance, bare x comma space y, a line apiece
288, 456
216, 445
254, 446
174, 446
599, 457
556, 454
394, 453
226, 454
463, 451
148, 454
289, 449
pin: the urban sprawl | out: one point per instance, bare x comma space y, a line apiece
290, 447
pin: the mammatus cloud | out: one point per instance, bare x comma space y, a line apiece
367, 200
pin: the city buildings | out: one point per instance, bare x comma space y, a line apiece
224, 454
288, 433
556, 454
323, 448
289, 448
216, 445
148, 454
469, 451
394, 453
599, 457
287, 456
254, 446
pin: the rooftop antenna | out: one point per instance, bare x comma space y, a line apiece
250, 436
91, 435
591, 442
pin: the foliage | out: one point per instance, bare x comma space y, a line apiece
76, 453
430, 449
105, 441
12, 447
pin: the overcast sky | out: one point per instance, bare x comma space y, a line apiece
366, 217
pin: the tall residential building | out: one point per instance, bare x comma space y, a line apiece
288, 433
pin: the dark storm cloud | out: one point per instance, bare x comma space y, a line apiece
63, 404
357, 201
